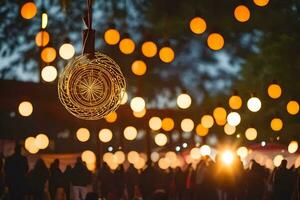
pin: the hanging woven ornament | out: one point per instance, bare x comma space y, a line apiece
92, 85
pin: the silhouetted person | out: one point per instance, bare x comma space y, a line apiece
119, 181
67, 181
56, 178
80, 178
189, 182
39, 177
15, 170
147, 181
131, 180
105, 177
284, 182
1, 175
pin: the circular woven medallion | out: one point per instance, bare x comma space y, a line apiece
91, 87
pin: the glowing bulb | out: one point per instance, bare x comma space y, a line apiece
127, 46
205, 150
187, 125
49, 73
154, 156
242, 152
42, 38
44, 20
41, 141
137, 104
227, 157
201, 130
48, 54
140, 114
292, 107
207, 121
155, 123
112, 36
242, 13
276, 124
166, 54
133, 157
66, 51
149, 49
233, 119
168, 124
25, 108
88, 157
195, 153
277, 160
83, 134
254, 104
235, 102
198, 25
105, 135
139, 67
251, 134
111, 117
184, 101
229, 130
160, 139
28, 10
261, 2
215, 41
293, 147
130, 133
274, 91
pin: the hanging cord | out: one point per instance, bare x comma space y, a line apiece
89, 33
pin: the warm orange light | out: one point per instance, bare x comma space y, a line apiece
41, 141
140, 114
292, 107
111, 117
235, 102
28, 10
149, 49
42, 38
48, 54
166, 54
168, 124
215, 41
187, 125
227, 157
251, 134
201, 130
112, 36
25, 108
207, 121
276, 124
160, 139
83, 134
242, 13
220, 114
261, 2
127, 46
139, 67
198, 25
274, 91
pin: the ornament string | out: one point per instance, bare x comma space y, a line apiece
89, 32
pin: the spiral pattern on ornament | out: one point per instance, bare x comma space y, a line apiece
91, 87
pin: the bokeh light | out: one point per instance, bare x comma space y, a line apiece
277, 160
235, 102
88, 156
220, 114
274, 91
207, 121
229, 130
66, 51
276, 124
140, 114
133, 157
242, 13
139, 67
242, 152
111, 117
137, 104
105, 135
127, 46
198, 25
83, 134
163, 163
149, 49
205, 150
41, 141
30, 145
160, 139
155, 123
130, 133
166, 54
251, 134
184, 101
28, 10
168, 124
254, 104
25, 108
293, 147
201, 130
187, 125
215, 41
261, 2
292, 107
120, 157
49, 73
42, 38
112, 36
234, 119
124, 98
48, 54
227, 157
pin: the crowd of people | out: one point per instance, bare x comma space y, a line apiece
208, 180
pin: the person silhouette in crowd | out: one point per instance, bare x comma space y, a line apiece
131, 180
81, 177
39, 177
119, 182
56, 178
67, 181
147, 181
15, 169
199, 179
284, 182
1, 176
189, 182
105, 177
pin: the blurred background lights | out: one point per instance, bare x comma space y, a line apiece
133, 157
41, 141
235, 102
25, 108
195, 153
254, 104
111, 117
205, 150
30, 145
242, 152
154, 156
184, 145
187, 125
227, 157
140, 114
66, 51
263, 143
44, 20
130, 133
160, 139
168, 124
184, 101
198, 25
139, 67
220, 114
48, 54
124, 98
234, 119
276, 124
127, 46
83, 134
261, 2
229, 130
292, 107
155, 123
42, 38
120, 157
49, 73
215, 41
28, 10
201, 130
274, 91
137, 104
242, 13
207, 121
251, 134
88, 156
112, 36
293, 147
166, 54
277, 160
140, 164
105, 135
149, 49
163, 163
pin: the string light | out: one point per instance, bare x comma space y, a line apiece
83, 134
49, 73
235, 102
139, 67
187, 125
28, 10
160, 139
66, 51
184, 101
41, 141
242, 13
261, 3
229, 130
293, 147
201, 130
42, 38
137, 104
198, 25
251, 134
127, 45
48, 54
234, 119
105, 135
207, 121
25, 108
292, 107
166, 54
155, 123
130, 133
111, 117
112, 36
254, 104
276, 124
44, 20
149, 49
274, 91
215, 41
